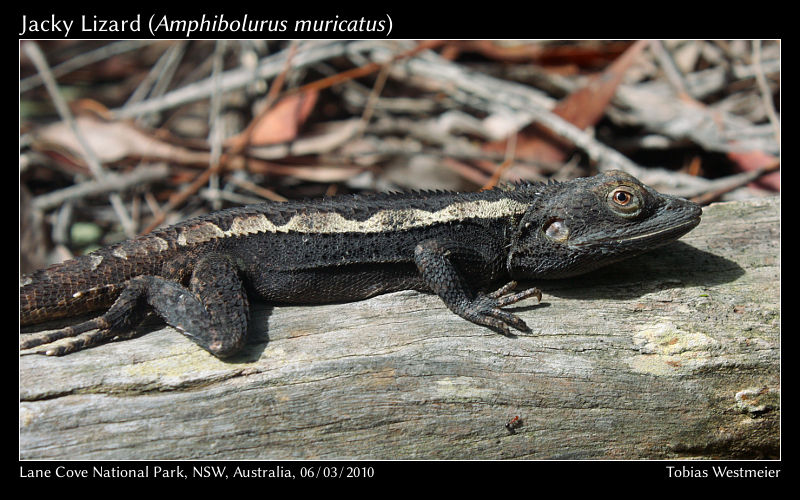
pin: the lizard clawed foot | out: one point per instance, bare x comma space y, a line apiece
80, 337
486, 310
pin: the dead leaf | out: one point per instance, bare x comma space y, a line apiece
281, 123
572, 55
585, 107
582, 108
313, 173
322, 138
111, 142
754, 160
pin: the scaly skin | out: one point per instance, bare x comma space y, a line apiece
197, 275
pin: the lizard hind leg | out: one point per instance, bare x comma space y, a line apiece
213, 313
122, 315
216, 314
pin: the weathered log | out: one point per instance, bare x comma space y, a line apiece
672, 354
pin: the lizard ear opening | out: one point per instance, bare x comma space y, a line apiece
556, 229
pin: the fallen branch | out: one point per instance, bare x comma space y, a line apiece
111, 182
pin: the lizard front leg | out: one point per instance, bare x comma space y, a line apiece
213, 312
434, 261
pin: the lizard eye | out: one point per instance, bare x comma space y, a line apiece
557, 230
624, 201
621, 197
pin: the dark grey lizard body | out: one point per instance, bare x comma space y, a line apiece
197, 274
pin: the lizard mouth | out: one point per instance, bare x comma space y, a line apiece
669, 233
684, 214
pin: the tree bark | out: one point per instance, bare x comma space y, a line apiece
673, 354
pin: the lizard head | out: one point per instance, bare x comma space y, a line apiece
574, 227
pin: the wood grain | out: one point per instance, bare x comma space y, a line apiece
673, 354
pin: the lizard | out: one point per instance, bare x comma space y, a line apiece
200, 274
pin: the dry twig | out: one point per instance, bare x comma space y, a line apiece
33, 51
